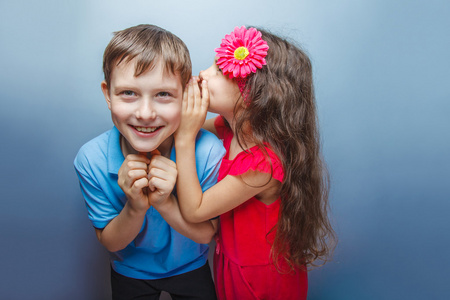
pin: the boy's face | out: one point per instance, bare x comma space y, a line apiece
145, 109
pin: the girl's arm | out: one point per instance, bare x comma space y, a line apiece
230, 192
162, 177
201, 232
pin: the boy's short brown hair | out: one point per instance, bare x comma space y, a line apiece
147, 43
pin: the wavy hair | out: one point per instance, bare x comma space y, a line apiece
281, 111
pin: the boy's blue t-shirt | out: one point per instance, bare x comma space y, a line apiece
158, 251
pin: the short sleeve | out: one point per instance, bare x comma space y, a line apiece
100, 209
254, 159
209, 154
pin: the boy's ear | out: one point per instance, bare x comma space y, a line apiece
105, 91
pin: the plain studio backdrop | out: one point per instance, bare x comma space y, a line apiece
382, 79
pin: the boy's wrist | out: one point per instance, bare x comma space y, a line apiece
165, 206
135, 212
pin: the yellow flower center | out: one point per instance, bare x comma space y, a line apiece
241, 53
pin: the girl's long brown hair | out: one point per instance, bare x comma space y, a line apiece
282, 112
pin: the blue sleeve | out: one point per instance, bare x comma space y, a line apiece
209, 154
100, 209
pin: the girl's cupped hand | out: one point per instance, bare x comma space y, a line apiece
193, 110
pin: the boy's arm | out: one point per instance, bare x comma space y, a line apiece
124, 228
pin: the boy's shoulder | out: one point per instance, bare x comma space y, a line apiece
209, 150
94, 151
207, 141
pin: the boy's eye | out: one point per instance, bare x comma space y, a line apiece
128, 93
163, 94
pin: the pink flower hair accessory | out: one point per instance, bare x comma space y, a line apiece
241, 53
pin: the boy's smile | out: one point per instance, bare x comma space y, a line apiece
145, 109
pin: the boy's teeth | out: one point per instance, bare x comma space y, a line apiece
146, 129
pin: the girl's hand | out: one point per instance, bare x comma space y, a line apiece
193, 110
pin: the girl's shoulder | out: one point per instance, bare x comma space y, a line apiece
257, 159
222, 128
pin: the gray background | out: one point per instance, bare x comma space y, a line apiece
382, 78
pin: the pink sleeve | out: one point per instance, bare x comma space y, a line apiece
256, 161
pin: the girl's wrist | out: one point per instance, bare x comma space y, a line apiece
184, 142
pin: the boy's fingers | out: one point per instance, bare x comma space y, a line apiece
140, 184
137, 174
151, 185
136, 165
137, 157
159, 185
162, 162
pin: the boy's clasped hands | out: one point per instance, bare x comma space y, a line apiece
147, 181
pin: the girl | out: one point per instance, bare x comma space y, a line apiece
272, 194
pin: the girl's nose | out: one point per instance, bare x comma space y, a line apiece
204, 74
201, 75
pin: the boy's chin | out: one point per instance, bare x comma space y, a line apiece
135, 149
145, 150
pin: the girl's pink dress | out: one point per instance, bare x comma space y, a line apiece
243, 268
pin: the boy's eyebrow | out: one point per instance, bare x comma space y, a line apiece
162, 87
167, 87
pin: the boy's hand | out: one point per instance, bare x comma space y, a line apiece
133, 180
162, 176
193, 110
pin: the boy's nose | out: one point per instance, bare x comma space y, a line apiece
145, 111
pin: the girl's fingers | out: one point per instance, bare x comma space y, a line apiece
197, 96
205, 95
184, 103
190, 103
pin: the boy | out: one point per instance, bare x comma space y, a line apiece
127, 174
